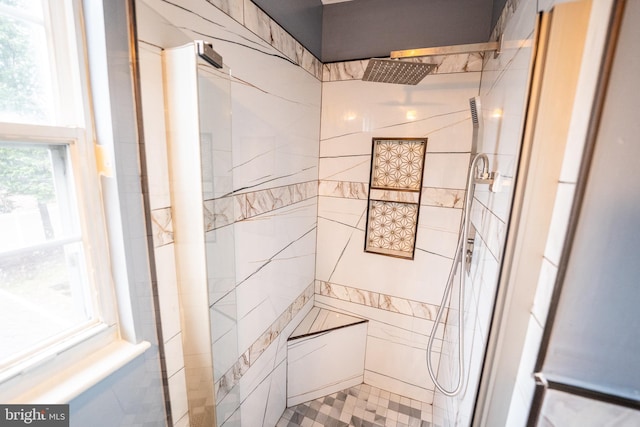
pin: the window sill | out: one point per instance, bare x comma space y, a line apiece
70, 383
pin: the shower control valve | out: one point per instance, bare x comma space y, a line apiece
496, 182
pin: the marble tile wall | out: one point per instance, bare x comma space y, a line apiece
314, 372
399, 297
276, 123
503, 92
264, 283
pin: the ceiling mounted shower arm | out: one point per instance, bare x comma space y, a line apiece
450, 50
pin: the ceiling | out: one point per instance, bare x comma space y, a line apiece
345, 30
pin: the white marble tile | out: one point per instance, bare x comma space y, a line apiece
154, 126
268, 292
409, 324
312, 372
162, 226
395, 386
233, 8
267, 398
356, 107
413, 338
224, 334
220, 263
178, 395
346, 169
451, 133
173, 354
446, 170
168, 290
320, 320
340, 248
273, 341
182, 422
228, 408
438, 230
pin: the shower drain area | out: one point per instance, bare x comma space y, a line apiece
359, 406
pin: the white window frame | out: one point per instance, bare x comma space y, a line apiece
79, 359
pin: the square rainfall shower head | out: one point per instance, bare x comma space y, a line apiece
395, 71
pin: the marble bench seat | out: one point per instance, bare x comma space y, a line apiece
325, 354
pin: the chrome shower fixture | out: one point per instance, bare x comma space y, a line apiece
206, 52
484, 176
495, 47
411, 73
397, 72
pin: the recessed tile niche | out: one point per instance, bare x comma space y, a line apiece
397, 166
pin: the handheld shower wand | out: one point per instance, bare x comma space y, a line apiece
458, 258
475, 174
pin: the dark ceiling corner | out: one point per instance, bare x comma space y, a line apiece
300, 18
498, 5
362, 29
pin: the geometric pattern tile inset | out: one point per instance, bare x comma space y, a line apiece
392, 226
397, 164
395, 187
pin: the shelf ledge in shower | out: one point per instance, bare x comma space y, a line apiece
321, 320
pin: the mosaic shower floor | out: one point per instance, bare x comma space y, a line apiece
359, 406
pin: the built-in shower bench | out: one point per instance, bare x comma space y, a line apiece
325, 354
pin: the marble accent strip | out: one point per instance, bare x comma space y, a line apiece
255, 20
343, 189
259, 202
162, 226
395, 196
507, 13
249, 357
431, 196
442, 197
238, 207
377, 300
268, 30
233, 8
445, 64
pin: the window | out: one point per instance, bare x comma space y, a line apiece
53, 242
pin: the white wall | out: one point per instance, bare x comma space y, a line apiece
398, 296
271, 206
503, 92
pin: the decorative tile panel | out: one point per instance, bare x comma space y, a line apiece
397, 164
392, 227
397, 168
